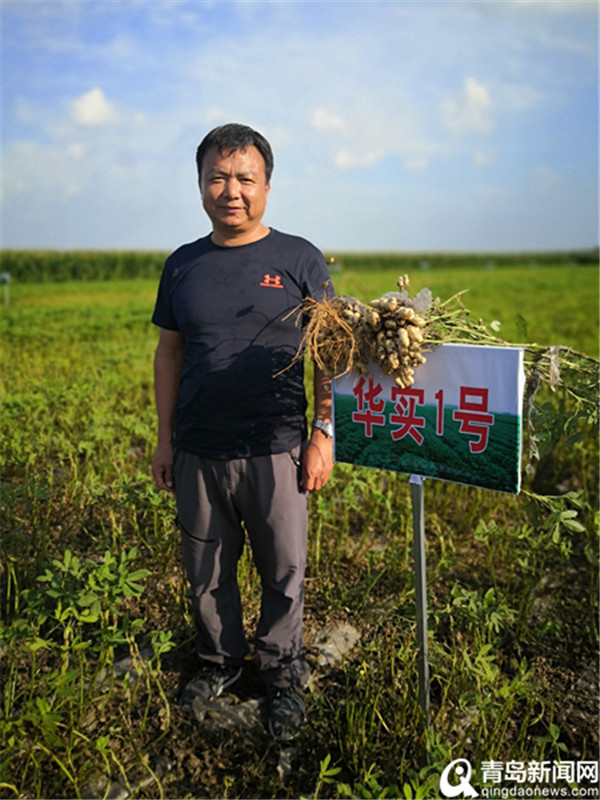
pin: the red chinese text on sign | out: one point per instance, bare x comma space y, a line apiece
472, 413
369, 406
408, 399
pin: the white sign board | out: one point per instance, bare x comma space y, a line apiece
460, 421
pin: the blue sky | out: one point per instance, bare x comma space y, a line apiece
415, 126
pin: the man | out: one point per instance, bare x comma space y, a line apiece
232, 438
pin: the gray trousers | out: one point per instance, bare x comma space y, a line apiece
217, 502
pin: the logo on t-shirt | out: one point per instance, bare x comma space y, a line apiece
272, 281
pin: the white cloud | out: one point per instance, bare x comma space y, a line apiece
76, 150
555, 6
215, 115
517, 97
41, 170
546, 178
470, 111
416, 164
484, 158
348, 159
93, 110
323, 120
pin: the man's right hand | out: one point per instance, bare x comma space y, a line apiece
162, 466
167, 371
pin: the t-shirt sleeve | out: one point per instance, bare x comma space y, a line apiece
163, 315
318, 285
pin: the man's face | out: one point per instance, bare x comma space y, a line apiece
234, 193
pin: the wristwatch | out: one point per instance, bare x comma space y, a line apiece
326, 427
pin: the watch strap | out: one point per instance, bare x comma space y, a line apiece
326, 427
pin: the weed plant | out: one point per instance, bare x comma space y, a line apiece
91, 575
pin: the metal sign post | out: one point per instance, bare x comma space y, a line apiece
418, 511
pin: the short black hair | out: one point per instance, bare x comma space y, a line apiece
231, 137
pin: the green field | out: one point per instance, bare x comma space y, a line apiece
91, 568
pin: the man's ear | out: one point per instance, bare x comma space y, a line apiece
200, 186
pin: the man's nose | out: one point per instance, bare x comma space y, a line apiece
232, 187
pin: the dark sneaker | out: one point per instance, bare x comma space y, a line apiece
208, 683
287, 711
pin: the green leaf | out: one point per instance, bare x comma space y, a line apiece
66, 684
39, 644
91, 614
573, 525
138, 575
87, 599
556, 534
522, 327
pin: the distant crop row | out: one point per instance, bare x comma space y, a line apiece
41, 266
35, 266
452, 260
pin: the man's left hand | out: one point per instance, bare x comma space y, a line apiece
317, 462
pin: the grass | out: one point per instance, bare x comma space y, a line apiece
91, 573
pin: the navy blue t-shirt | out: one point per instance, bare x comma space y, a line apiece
238, 395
